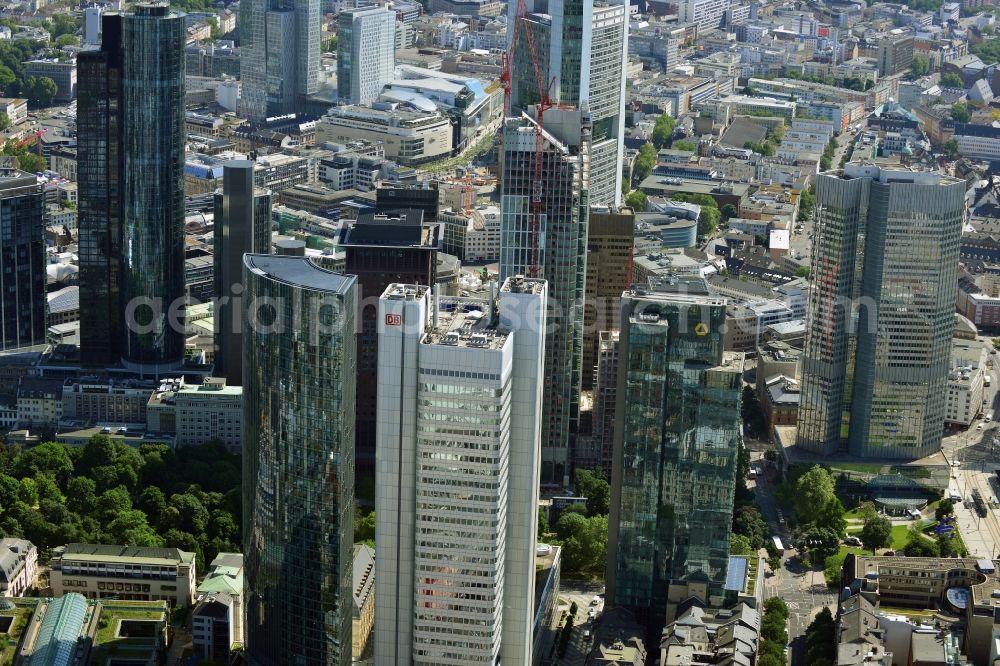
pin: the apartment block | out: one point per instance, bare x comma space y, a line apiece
18, 566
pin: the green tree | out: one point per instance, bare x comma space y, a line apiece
951, 148
330, 46
153, 502
112, 503
47, 458
822, 542
543, 523
920, 65
81, 495
960, 112
821, 639
951, 80
917, 545
944, 509
637, 200
740, 545
816, 502
214, 31
708, 221
192, 514
596, 489
28, 491
364, 529
131, 528
749, 522
9, 489
802, 271
67, 40
644, 163
39, 90
64, 24
876, 533
728, 211
663, 131
684, 145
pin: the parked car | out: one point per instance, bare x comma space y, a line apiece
853, 541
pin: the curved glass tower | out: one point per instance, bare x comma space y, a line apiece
152, 195
298, 462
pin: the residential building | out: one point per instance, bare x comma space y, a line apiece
548, 239
677, 427
279, 55
198, 413
16, 109
381, 249
460, 550
582, 64
242, 224
22, 260
707, 635
39, 402
366, 55
217, 618
18, 566
63, 73
299, 460
100, 571
905, 226
610, 239
131, 112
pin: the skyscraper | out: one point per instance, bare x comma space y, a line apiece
279, 55
242, 224
459, 410
366, 53
22, 259
676, 442
583, 45
131, 159
610, 239
881, 311
557, 252
298, 463
381, 249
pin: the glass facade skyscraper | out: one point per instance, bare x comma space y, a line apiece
366, 53
880, 317
583, 45
561, 257
676, 441
22, 260
242, 224
279, 55
131, 151
298, 462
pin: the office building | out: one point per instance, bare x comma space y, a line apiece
366, 53
242, 224
895, 52
130, 150
298, 499
100, 571
459, 412
584, 47
605, 400
677, 438
22, 259
62, 73
610, 238
363, 622
886, 252
197, 413
279, 56
706, 14
552, 247
217, 617
381, 249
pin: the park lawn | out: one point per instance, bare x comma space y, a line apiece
899, 534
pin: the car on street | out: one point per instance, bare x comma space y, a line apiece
595, 601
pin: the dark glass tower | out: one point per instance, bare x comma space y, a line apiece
131, 136
298, 463
22, 260
676, 442
242, 224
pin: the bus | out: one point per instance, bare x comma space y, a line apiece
778, 546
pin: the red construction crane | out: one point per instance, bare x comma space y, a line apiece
544, 102
34, 137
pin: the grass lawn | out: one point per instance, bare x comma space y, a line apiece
899, 535
864, 468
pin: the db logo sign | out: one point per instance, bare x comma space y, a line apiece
393, 320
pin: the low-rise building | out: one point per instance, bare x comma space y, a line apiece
364, 599
16, 109
100, 571
710, 636
18, 566
63, 73
472, 235
102, 400
198, 413
779, 400
408, 137
745, 323
217, 618
39, 402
